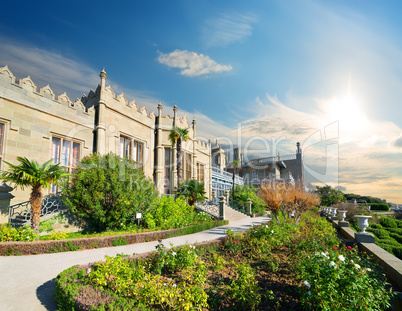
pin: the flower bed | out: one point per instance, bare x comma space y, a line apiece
271, 267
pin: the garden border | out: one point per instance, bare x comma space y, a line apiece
53, 246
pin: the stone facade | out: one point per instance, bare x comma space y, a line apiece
39, 125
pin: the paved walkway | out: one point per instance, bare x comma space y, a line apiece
27, 282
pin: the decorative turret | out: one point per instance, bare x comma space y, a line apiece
298, 148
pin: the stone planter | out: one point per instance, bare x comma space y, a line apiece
362, 222
363, 236
342, 215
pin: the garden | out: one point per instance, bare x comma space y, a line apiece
278, 266
106, 193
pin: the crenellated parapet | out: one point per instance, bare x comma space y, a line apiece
26, 91
119, 103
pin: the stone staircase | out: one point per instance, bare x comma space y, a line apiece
213, 209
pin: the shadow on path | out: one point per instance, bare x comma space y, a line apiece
45, 294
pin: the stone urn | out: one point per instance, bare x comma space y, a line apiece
342, 215
333, 210
362, 222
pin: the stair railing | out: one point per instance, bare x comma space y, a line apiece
20, 214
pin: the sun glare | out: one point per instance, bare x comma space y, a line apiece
350, 116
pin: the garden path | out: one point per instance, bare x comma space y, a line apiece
27, 282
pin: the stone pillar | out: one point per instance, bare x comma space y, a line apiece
101, 126
222, 207
159, 178
194, 164
213, 196
174, 172
227, 194
248, 209
210, 167
5, 198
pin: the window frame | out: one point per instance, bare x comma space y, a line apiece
167, 170
2, 141
200, 168
71, 161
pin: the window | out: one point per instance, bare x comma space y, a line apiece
253, 174
187, 166
67, 153
167, 171
200, 172
1, 141
138, 152
135, 153
125, 147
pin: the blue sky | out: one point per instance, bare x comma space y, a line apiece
325, 73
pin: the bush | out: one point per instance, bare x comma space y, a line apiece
395, 230
381, 233
388, 222
8, 233
379, 206
167, 213
242, 193
109, 191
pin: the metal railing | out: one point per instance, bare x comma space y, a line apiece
20, 214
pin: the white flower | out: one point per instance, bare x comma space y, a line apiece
309, 293
272, 231
332, 264
307, 284
121, 224
357, 266
88, 271
325, 255
174, 285
341, 258
164, 284
173, 253
266, 226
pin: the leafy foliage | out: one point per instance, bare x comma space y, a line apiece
192, 190
109, 191
242, 193
359, 198
8, 233
167, 213
330, 196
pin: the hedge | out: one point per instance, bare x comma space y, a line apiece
379, 206
42, 247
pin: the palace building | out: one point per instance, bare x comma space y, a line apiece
39, 125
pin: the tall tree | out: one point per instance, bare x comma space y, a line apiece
176, 136
330, 195
32, 174
235, 164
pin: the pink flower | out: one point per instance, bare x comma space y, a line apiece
335, 247
349, 247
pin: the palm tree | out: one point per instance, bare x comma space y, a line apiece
192, 190
32, 174
177, 135
235, 164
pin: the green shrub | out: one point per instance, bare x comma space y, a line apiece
381, 233
242, 193
396, 236
388, 222
8, 233
119, 241
395, 230
109, 191
389, 241
191, 190
336, 280
379, 206
397, 251
168, 213
375, 226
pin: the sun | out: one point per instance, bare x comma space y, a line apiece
347, 111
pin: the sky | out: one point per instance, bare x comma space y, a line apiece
261, 75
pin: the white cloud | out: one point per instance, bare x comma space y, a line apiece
61, 73
227, 29
191, 63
